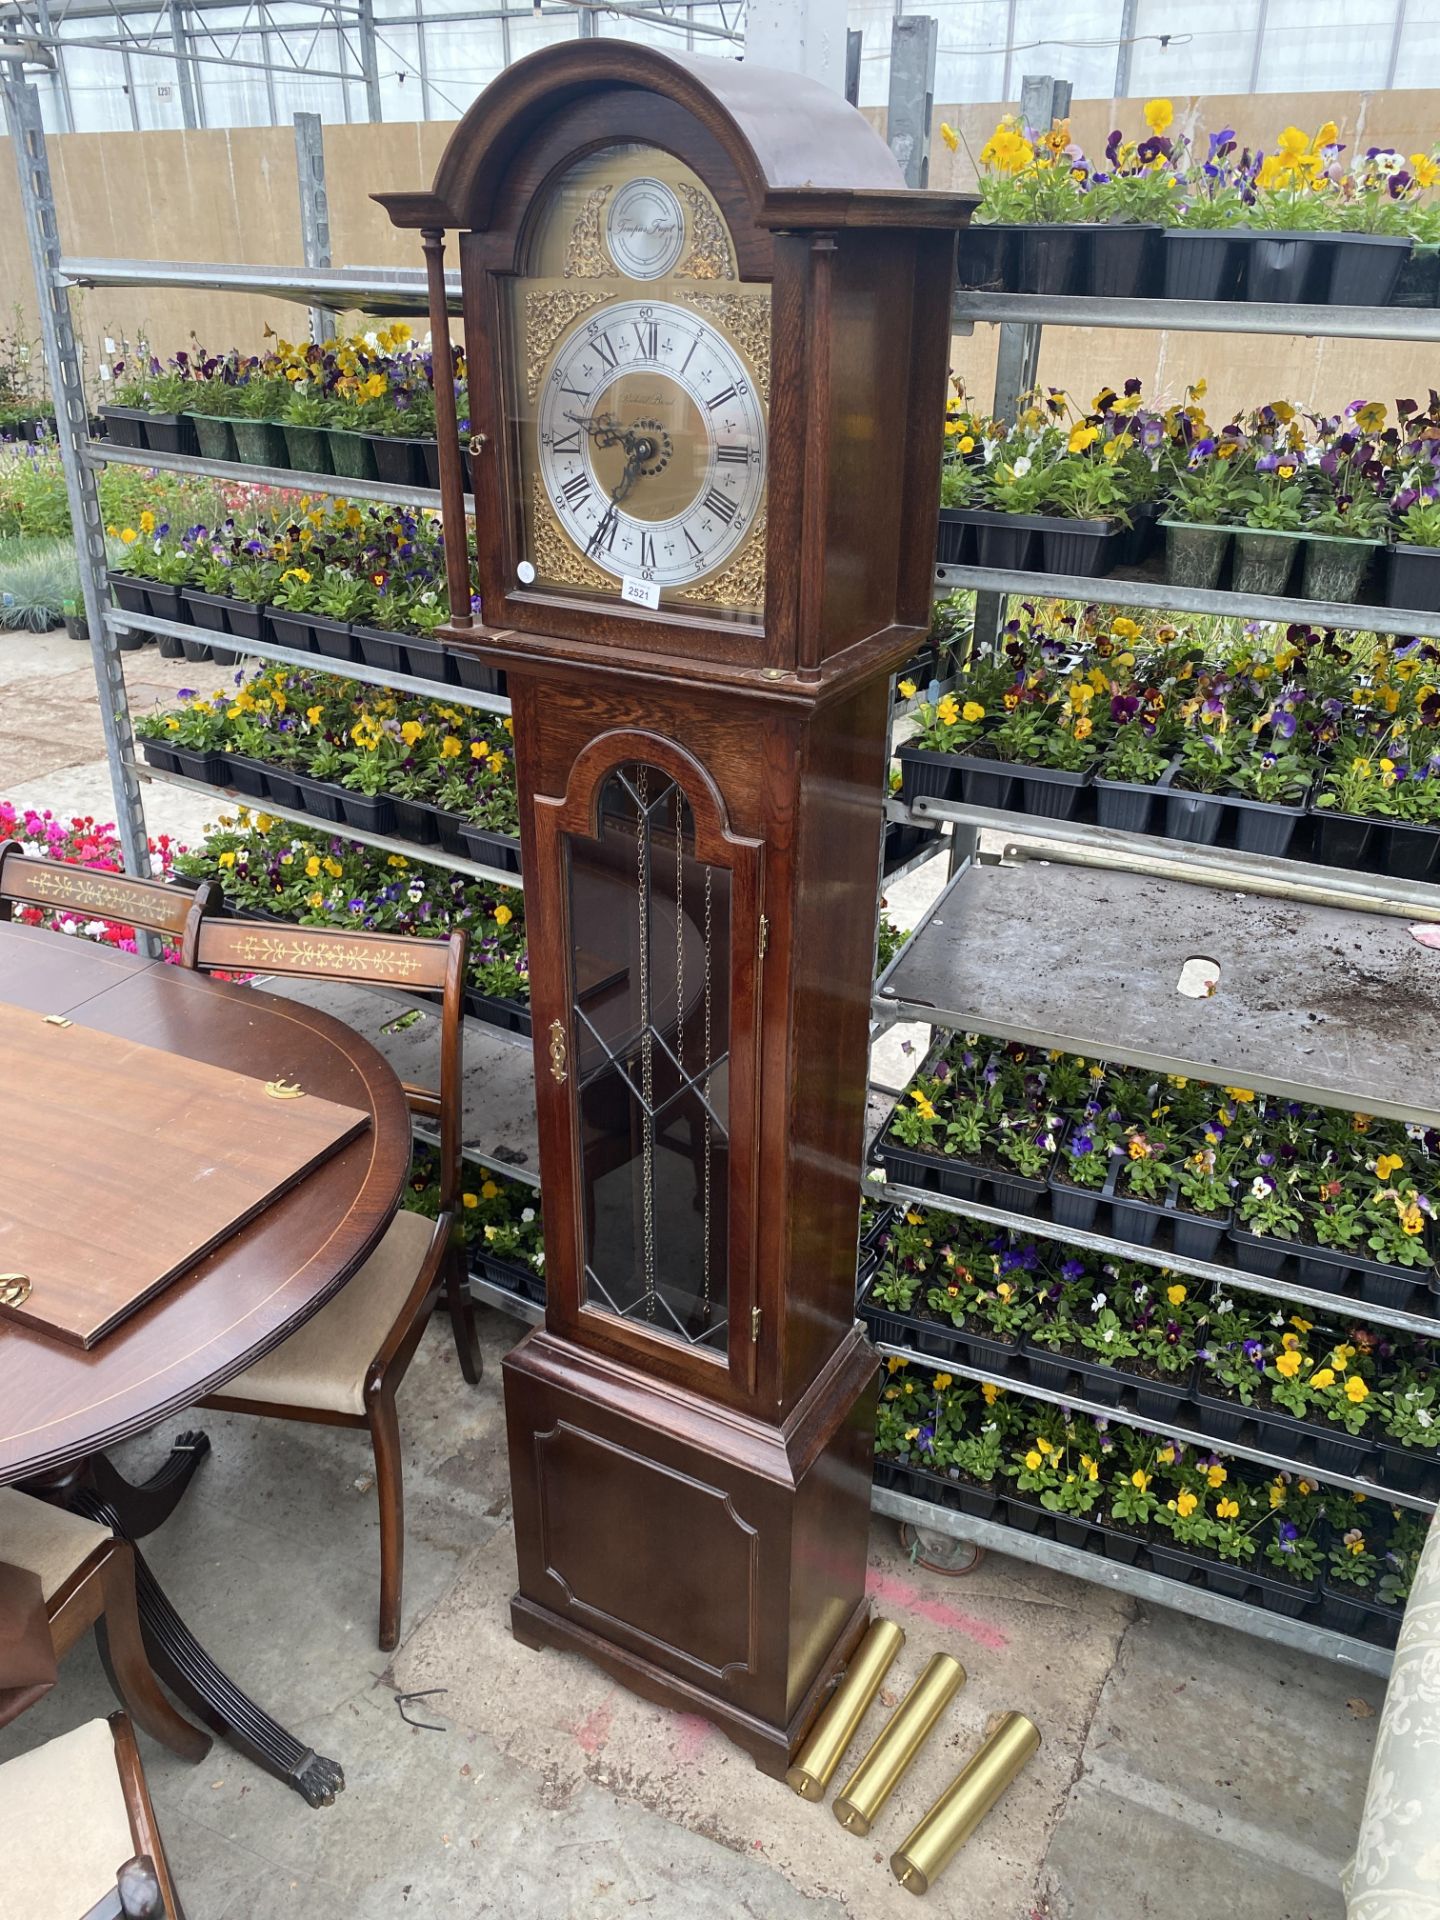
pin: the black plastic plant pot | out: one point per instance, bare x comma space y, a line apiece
1412, 578
371, 812
1072, 1206
1389, 1286
1221, 1419
1418, 282
132, 642
513, 1015
1201, 265
248, 776
1403, 1468
170, 433
1364, 267
1008, 540
379, 649
1120, 1547
334, 639
197, 652
1160, 1399
1194, 817
216, 437
1017, 1192
1343, 1613
1264, 826
1335, 568
124, 426
293, 630
906, 1167
1135, 1220
415, 821
1124, 805
903, 842
1045, 1371
351, 456
955, 538
923, 775
1088, 547
1335, 1450
1257, 1253
285, 790
1052, 258
430, 455
319, 798
163, 602
157, 754
261, 443
1125, 261
169, 647
1280, 268
987, 259
499, 850
448, 826
984, 782
398, 461
1052, 792
428, 660
244, 619
308, 448
205, 610
1342, 1456
1327, 1272
1100, 1382
1194, 556
1411, 851
1264, 561
223, 656
475, 674
1342, 839
198, 763
521, 1281
1196, 1238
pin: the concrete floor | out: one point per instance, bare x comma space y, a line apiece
1186, 1771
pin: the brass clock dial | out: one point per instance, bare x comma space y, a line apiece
640, 378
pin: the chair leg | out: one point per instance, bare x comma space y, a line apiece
390, 1487
122, 1652
464, 1323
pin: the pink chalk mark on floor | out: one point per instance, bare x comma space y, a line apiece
593, 1732
892, 1592
691, 1735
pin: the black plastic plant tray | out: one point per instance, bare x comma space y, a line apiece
491, 849
509, 1276
414, 820
939, 1339
1125, 805
1347, 1610
1279, 1432
961, 1496
1176, 1562
512, 1015
1406, 1469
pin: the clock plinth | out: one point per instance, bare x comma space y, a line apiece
706, 342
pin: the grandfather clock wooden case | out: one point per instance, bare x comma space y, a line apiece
706, 334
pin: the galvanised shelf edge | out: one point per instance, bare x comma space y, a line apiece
395, 290
1102, 1410
121, 621
101, 453
1092, 1242
1196, 316
1154, 1588
332, 829
1164, 596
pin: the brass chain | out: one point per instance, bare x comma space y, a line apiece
647, 1044
680, 931
705, 1162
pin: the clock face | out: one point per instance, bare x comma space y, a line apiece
652, 443
639, 384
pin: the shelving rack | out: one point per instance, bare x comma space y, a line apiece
1073, 940
499, 1130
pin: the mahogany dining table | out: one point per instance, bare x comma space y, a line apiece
62, 1406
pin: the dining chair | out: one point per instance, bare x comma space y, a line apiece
79, 1840
87, 1578
150, 906
343, 1366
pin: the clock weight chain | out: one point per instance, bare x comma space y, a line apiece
647, 1042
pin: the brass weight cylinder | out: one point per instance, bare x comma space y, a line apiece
832, 1733
858, 1804
924, 1855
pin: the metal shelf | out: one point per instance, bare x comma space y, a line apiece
1169, 1429
501, 1297
335, 829
1041, 1228
1082, 843
1119, 590
1313, 1003
1197, 316
119, 621
1153, 1588
101, 453
397, 290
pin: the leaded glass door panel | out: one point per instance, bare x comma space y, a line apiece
656, 1045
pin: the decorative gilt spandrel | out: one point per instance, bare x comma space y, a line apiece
549, 311
585, 254
742, 584
743, 318
555, 557
711, 256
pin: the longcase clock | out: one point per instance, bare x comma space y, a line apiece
706, 329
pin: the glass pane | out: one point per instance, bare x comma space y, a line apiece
650, 980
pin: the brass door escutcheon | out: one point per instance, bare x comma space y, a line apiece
557, 1051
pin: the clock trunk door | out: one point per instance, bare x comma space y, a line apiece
646, 1019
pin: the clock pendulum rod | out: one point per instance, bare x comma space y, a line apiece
705, 1158
647, 1042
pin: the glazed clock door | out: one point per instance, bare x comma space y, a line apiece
647, 1017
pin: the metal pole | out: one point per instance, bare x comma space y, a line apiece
72, 422
184, 71
369, 61
854, 50
1043, 100
57, 73
914, 39
1128, 13
314, 212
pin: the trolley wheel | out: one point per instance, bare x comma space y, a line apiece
940, 1552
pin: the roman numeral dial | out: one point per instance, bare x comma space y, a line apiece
651, 454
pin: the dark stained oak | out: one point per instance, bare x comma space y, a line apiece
58, 1404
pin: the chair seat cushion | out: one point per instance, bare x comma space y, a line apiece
322, 1366
65, 1833
46, 1540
